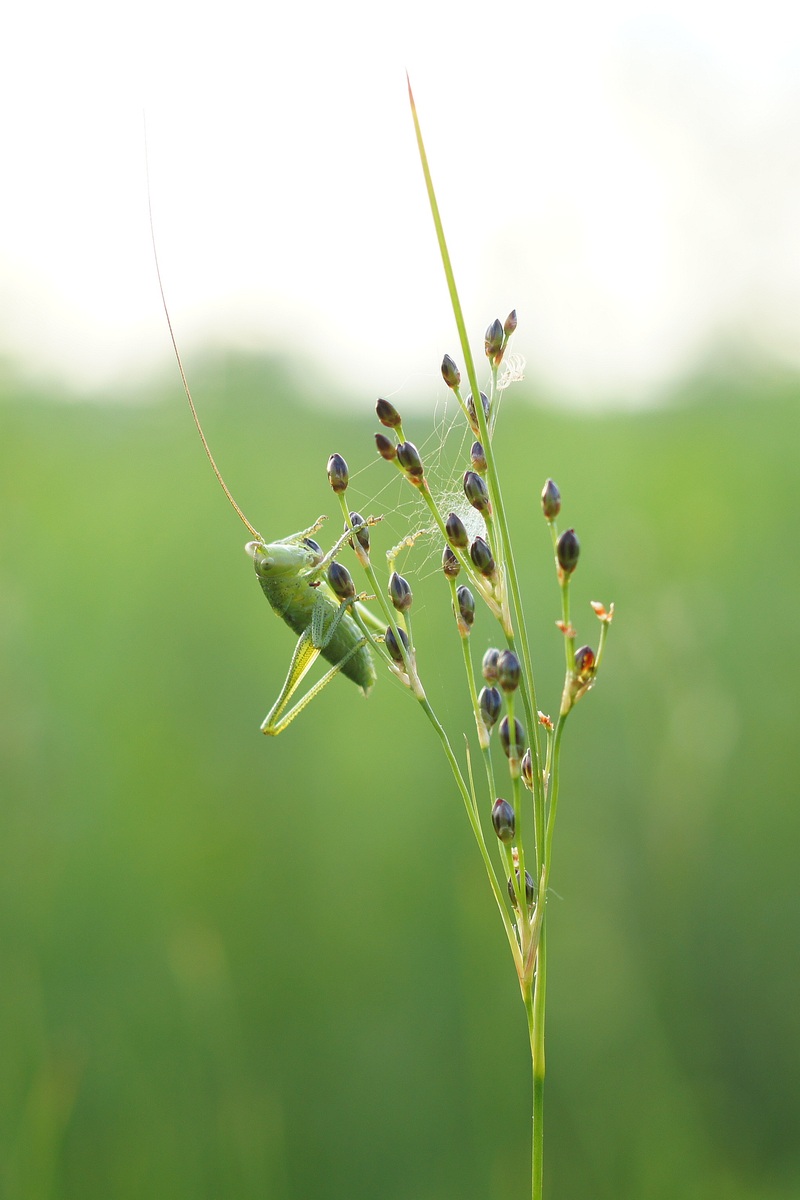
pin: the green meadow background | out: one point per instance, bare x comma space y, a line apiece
238, 967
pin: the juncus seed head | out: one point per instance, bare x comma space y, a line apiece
400, 592
526, 769
510, 323
473, 418
450, 372
512, 740
481, 557
392, 645
568, 549
466, 605
456, 531
388, 414
503, 820
530, 890
409, 459
476, 491
493, 342
551, 500
361, 531
478, 458
385, 446
584, 662
341, 581
450, 564
490, 702
338, 475
508, 671
489, 664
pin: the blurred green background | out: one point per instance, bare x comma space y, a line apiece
240, 967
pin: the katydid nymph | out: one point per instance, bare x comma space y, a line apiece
293, 573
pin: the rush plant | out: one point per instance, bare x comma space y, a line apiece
515, 807
511, 797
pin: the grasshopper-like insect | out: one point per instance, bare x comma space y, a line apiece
292, 574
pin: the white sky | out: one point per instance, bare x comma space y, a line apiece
626, 174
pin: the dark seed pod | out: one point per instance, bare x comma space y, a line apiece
338, 475
515, 748
450, 564
567, 550
584, 661
361, 531
450, 372
503, 820
473, 418
490, 702
466, 605
493, 341
551, 501
508, 671
409, 459
456, 531
400, 592
489, 664
391, 643
510, 323
476, 491
481, 557
478, 458
388, 414
530, 891
341, 581
386, 447
526, 769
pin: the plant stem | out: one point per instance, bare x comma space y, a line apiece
536, 1025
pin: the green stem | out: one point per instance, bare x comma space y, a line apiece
536, 1027
476, 829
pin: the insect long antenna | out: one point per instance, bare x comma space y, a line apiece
185, 382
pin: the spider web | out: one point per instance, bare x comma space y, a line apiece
407, 529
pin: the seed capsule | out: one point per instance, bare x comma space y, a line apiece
584, 661
450, 564
341, 581
409, 459
385, 446
361, 531
477, 492
338, 475
503, 820
493, 341
530, 892
466, 605
508, 671
388, 414
490, 702
450, 372
510, 323
551, 500
489, 664
568, 549
400, 592
456, 531
515, 748
526, 769
478, 458
391, 643
473, 418
481, 557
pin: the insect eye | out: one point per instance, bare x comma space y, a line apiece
312, 545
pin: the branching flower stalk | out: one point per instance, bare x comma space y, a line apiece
481, 574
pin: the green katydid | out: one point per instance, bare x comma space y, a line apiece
292, 574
